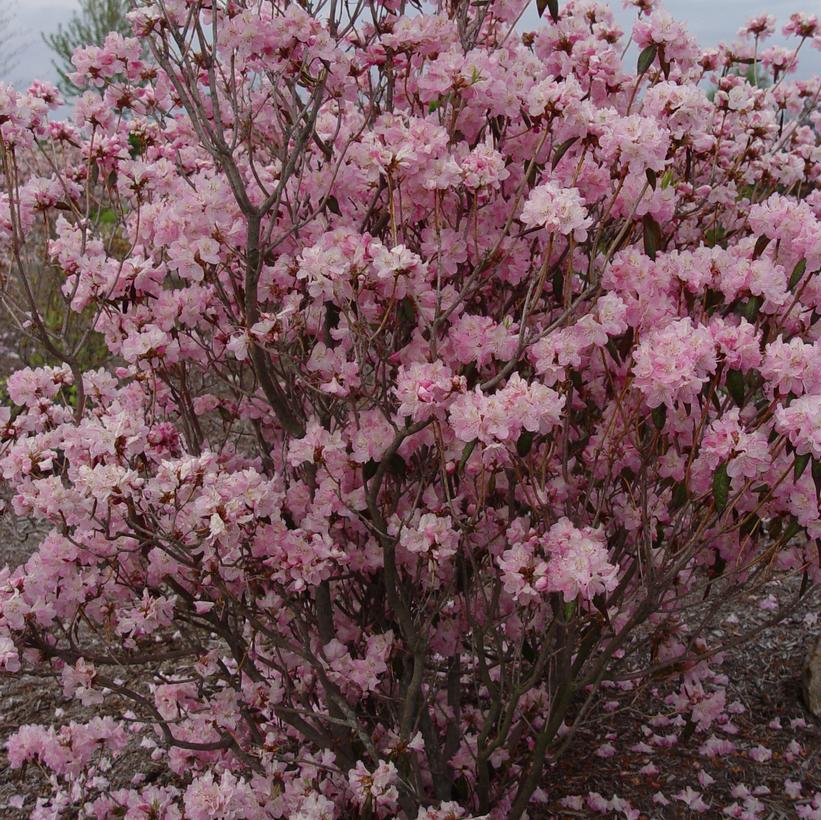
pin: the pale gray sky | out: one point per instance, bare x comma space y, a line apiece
709, 20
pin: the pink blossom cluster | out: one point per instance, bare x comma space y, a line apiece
566, 560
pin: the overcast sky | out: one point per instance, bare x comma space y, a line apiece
709, 20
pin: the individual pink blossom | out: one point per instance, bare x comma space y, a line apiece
692, 799
376, 789
760, 754
801, 423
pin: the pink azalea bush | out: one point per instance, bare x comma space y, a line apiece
459, 372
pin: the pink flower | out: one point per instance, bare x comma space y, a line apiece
559, 210
503, 415
792, 367
376, 789
432, 538
672, 364
801, 423
524, 572
578, 562
692, 799
482, 167
423, 388
759, 27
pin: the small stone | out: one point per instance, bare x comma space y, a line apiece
811, 678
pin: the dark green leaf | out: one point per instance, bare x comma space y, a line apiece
751, 523
792, 528
407, 310
652, 235
553, 7
532, 169
561, 150
397, 466
721, 488
646, 59
760, 246
651, 178
369, 469
659, 416
798, 273
679, 496
558, 285
333, 205
816, 474
735, 386
524, 443
466, 454
800, 465
751, 307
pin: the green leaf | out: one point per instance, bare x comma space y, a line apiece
816, 474
646, 58
800, 465
333, 205
369, 469
652, 235
679, 498
651, 177
721, 487
137, 145
561, 150
469, 447
397, 466
792, 529
751, 307
558, 285
715, 236
107, 216
749, 524
524, 443
407, 310
659, 416
735, 386
667, 179
760, 246
798, 273
569, 609
532, 171
551, 5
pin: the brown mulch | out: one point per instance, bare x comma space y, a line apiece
764, 676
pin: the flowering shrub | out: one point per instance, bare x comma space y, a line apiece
458, 373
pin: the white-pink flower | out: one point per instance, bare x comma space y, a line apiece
559, 210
